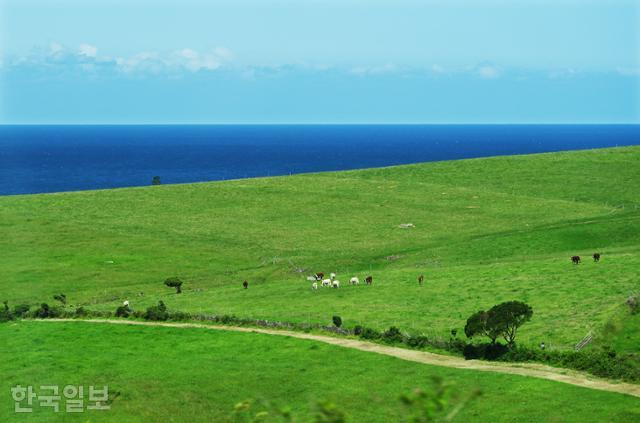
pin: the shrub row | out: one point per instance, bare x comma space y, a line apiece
600, 362
603, 363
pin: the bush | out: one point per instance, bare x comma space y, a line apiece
158, 312
392, 335
46, 312
123, 311
358, 330
81, 312
337, 321
181, 315
21, 310
62, 298
5, 312
368, 333
417, 341
604, 362
484, 351
226, 319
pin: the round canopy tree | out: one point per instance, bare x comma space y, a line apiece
501, 320
477, 325
506, 318
174, 283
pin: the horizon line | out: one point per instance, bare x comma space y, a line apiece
318, 123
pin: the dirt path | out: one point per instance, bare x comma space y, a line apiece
523, 369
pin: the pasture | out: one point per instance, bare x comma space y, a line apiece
485, 231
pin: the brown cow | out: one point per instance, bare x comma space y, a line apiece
420, 279
369, 280
319, 276
575, 259
245, 284
596, 257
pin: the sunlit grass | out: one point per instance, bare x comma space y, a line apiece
486, 230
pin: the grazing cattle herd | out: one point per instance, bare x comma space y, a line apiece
334, 283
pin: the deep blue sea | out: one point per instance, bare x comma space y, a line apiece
37, 159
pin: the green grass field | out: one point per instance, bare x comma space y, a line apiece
153, 371
486, 230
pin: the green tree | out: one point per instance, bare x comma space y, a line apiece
503, 320
174, 283
337, 320
477, 324
156, 180
507, 317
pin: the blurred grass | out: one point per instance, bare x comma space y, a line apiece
152, 371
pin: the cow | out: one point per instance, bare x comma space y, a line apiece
369, 280
575, 259
319, 276
420, 279
596, 257
245, 284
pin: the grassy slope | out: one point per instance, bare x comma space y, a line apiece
153, 370
486, 230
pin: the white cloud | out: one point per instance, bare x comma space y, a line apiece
628, 71
187, 53
374, 70
437, 69
87, 50
487, 71
186, 58
144, 62
223, 53
562, 73
208, 60
55, 48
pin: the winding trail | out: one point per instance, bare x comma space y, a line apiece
522, 369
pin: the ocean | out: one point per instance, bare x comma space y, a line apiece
54, 158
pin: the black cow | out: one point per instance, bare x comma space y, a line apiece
420, 279
575, 259
245, 284
596, 257
319, 276
369, 280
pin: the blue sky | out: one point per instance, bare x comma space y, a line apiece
329, 61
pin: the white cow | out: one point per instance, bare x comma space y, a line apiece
126, 304
336, 284
354, 280
311, 278
333, 276
314, 285
326, 282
